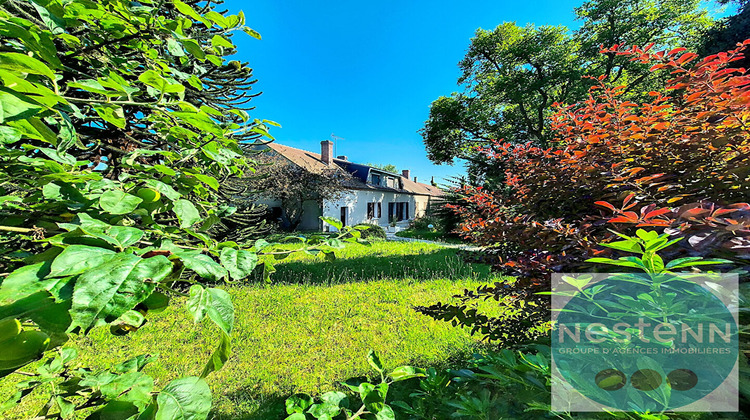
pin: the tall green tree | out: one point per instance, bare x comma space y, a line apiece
118, 122
727, 32
512, 75
388, 167
665, 23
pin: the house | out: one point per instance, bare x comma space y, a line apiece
372, 195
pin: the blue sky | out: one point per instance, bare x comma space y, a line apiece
368, 71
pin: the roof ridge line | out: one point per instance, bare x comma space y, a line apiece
292, 147
355, 163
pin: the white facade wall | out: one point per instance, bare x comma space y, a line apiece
356, 204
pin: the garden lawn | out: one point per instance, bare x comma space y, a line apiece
430, 235
309, 330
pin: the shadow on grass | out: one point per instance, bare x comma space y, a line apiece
272, 406
251, 406
433, 265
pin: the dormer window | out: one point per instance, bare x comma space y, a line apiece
375, 179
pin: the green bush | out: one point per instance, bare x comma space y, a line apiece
505, 384
423, 223
370, 231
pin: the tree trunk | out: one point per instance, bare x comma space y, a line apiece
291, 215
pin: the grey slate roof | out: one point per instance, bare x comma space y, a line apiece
360, 173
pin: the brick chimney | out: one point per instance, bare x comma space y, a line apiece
406, 173
326, 151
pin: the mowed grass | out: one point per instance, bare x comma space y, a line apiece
430, 235
308, 331
383, 260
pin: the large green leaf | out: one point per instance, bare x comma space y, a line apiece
298, 403
115, 410
23, 282
67, 134
373, 396
252, 32
27, 291
163, 188
385, 413
374, 361
135, 364
77, 259
219, 356
188, 11
693, 261
197, 303
31, 91
186, 398
32, 128
53, 22
220, 41
186, 213
156, 81
240, 263
215, 151
218, 19
14, 106
221, 310
621, 262
91, 85
22, 63
55, 155
115, 287
203, 265
200, 121
48, 311
133, 387
333, 222
323, 411
629, 246
119, 236
174, 48
215, 303
193, 47
208, 180
111, 113
118, 202
8, 135
403, 373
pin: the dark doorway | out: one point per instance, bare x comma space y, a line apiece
402, 211
344, 213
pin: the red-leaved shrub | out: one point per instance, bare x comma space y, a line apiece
679, 163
